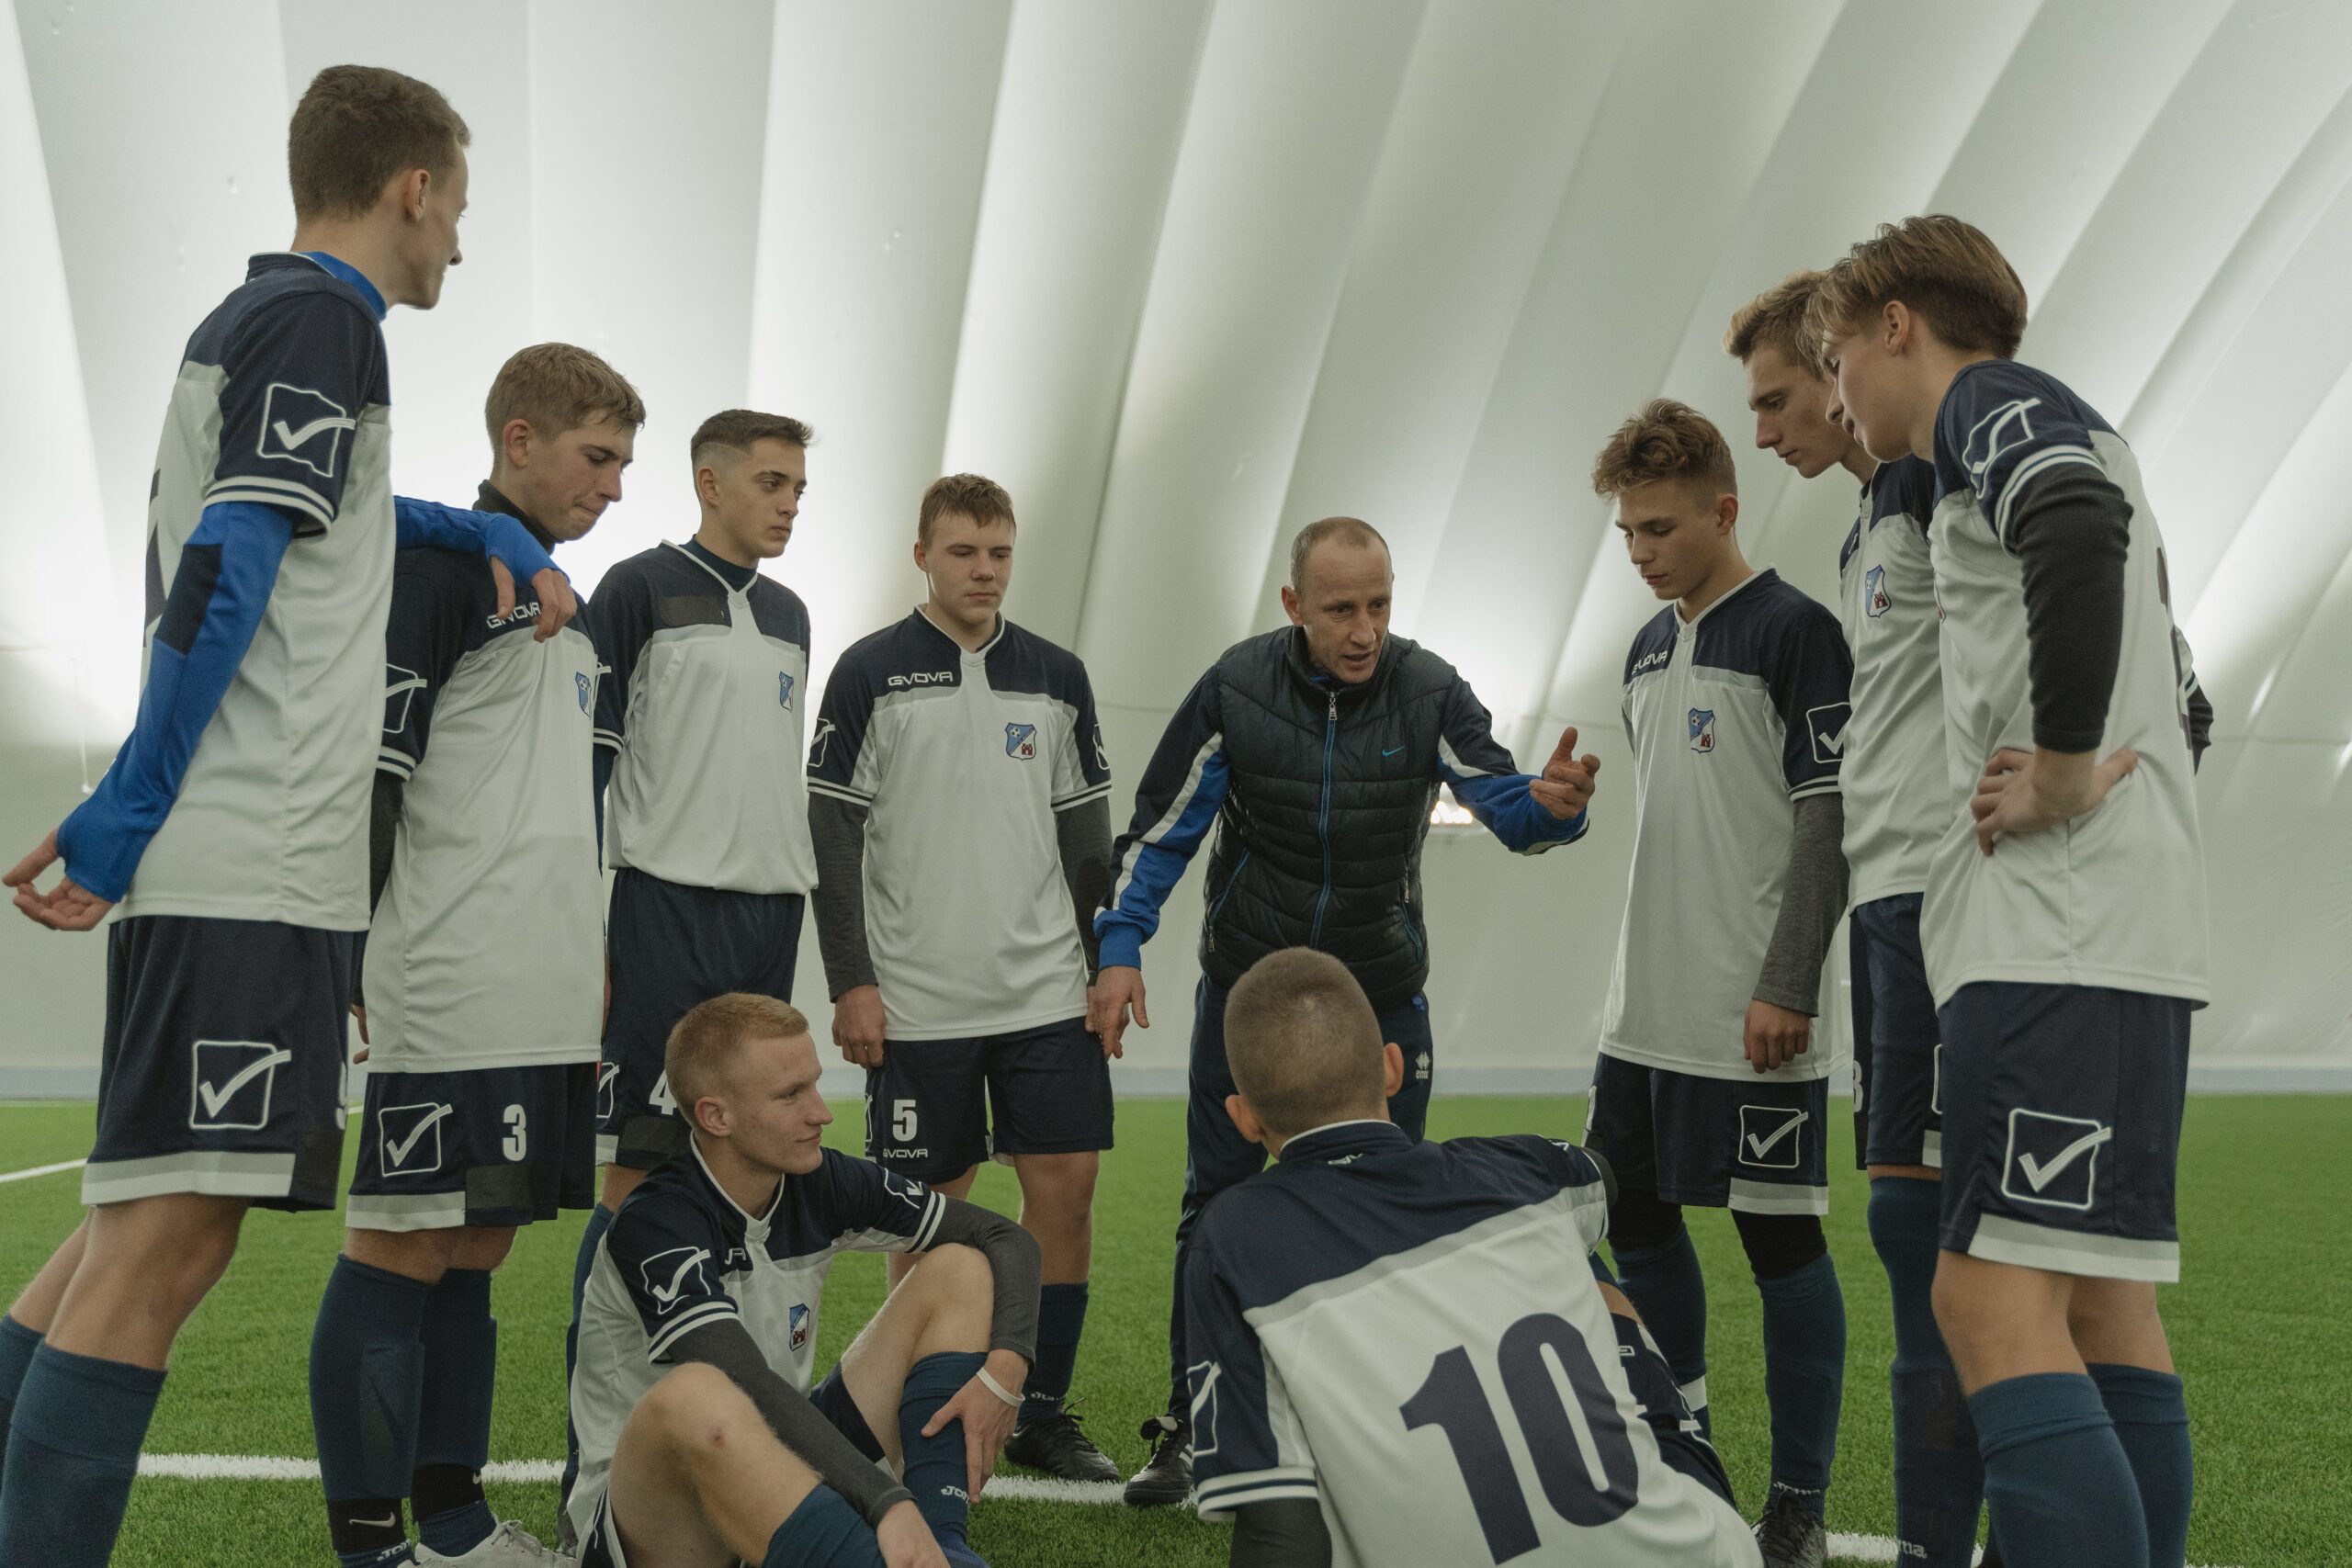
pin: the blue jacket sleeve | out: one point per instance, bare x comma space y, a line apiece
491, 534
1485, 779
1176, 801
226, 573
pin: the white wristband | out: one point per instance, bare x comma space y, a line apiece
997, 1388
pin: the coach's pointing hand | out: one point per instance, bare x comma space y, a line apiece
858, 1024
1118, 988
1565, 786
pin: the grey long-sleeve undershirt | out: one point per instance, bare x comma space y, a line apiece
1813, 896
838, 830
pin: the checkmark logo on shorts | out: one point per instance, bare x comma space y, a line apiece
2053, 1160
402, 1130
2041, 1176
233, 1080
1769, 1135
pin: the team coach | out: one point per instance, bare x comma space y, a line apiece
1317, 750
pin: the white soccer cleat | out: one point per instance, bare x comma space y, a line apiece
509, 1546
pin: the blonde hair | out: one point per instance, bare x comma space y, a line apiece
970, 495
557, 386
1776, 319
700, 1056
1665, 441
1943, 269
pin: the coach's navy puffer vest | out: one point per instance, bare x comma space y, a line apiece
1318, 842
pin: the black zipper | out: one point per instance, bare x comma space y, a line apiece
1323, 820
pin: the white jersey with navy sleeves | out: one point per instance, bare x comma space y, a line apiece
2116, 897
1409, 1335
1894, 778
283, 399
1733, 716
680, 1255
703, 697
962, 760
487, 949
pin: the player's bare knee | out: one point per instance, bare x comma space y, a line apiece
1060, 1188
421, 1255
954, 1272
171, 1250
482, 1247
694, 1406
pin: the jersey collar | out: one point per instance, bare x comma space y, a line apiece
1362, 1135
490, 497
941, 632
755, 1226
1750, 581
351, 275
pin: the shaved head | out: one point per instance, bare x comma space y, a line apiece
1304, 1043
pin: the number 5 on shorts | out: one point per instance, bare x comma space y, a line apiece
903, 1121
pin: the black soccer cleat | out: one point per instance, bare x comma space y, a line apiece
1054, 1443
1166, 1478
1791, 1537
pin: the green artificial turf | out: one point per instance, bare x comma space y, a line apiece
2258, 1327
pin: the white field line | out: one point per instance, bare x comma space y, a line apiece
42, 1171
1007, 1488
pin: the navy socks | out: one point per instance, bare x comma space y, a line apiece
1664, 1283
18, 1344
460, 1341
2060, 1490
1804, 1374
2152, 1423
935, 1471
366, 1391
73, 1449
1939, 1480
1061, 1319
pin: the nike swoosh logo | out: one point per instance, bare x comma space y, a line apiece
1392, 750
291, 438
398, 1147
1762, 1146
215, 1099
669, 1292
387, 1522
2041, 1176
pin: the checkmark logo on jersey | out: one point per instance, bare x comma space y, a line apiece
299, 425
401, 1133
1827, 725
2053, 1160
670, 1276
233, 1082
1770, 1136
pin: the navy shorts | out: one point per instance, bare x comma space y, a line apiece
491, 1146
824, 1530
671, 947
1758, 1146
2062, 1127
1898, 1052
222, 1070
936, 1108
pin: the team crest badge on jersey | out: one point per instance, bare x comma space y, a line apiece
233, 1080
1702, 729
299, 425
800, 1319
408, 1138
587, 689
1021, 741
1875, 598
671, 1277
2053, 1160
1771, 1137
784, 688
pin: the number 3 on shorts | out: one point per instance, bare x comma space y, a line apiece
903, 1121
518, 1135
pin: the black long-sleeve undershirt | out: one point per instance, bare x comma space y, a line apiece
2071, 535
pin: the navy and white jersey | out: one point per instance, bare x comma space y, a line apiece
1398, 1332
1897, 805
706, 666
487, 949
1732, 716
963, 760
283, 399
2116, 897
680, 1255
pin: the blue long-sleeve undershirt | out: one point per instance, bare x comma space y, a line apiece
491, 534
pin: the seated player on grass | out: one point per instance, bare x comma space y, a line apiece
701, 1441
1358, 1306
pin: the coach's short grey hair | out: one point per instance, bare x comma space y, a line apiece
1343, 530
1303, 1041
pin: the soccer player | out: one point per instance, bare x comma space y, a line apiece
1318, 749
2063, 924
701, 1441
1707, 1090
1355, 1310
959, 800
230, 831
700, 772
1895, 808
484, 974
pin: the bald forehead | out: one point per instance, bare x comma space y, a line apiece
1345, 565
